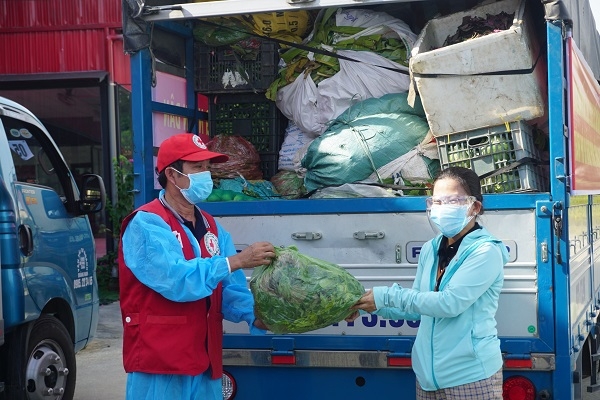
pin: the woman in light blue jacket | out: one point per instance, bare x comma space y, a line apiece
456, 354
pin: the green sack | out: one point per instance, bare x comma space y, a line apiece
297, 293
365, 137
215, 36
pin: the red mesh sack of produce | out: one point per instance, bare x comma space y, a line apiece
243, 158
289, 184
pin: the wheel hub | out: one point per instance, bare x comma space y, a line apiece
46, 374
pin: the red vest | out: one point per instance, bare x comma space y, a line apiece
166, 337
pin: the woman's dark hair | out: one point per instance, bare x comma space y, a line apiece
467, 178
162, 177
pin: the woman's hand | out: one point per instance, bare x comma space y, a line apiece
352, 317
366, 302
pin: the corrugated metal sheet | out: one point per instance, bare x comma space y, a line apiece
36, 14
42, 36
121, 67
59, 51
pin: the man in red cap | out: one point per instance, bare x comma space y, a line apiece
179, 276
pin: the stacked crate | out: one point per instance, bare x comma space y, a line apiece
242, 108
253, 117
507, 157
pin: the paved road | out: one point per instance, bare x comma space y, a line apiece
100, 374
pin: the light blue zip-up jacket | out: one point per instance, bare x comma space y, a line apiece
457, 341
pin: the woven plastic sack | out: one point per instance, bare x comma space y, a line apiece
259, 189
420, 165
294, 139
353, 190
362, 139
212, 35
312, 108
289, 184
286, 25
297, 293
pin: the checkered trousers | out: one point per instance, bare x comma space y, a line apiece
485, 389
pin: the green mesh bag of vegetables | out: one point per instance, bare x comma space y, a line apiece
297, 293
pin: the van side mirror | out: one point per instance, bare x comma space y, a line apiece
92, 194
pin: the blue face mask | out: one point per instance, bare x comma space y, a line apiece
201, 186
450, 219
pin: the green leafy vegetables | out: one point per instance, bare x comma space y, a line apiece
320, 66
297, 293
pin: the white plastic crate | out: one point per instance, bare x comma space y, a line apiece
491, 149
454, 96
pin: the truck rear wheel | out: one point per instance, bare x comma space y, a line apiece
47, 369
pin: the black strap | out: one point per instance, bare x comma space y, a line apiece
301, 46
150, 10
511, 166
524, 71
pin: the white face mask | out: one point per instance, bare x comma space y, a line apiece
200, 187
450, 219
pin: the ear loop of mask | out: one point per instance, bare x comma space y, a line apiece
181, 173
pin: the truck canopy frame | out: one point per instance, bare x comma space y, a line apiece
137, 16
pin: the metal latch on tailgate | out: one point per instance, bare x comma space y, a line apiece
557, 224
363, 235
306, 236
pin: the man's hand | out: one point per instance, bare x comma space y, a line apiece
260, 325
259, 253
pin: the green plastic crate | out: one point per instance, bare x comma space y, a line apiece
214, 64
494, 148
255, 118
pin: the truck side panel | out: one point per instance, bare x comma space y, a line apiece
392, 258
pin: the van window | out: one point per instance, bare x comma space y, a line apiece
34, 163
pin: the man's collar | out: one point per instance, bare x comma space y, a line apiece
163, 200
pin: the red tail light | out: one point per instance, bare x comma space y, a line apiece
518, 388
228, 385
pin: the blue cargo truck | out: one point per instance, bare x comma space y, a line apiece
49, 303
550, 221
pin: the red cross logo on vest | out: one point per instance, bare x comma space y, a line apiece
212, 244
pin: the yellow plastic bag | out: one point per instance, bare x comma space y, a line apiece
287, 25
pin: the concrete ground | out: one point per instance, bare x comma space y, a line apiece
100, 374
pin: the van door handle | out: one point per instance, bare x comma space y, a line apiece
306, 236
367, 235
25, 240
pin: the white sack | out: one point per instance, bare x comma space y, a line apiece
312, 108
294, 140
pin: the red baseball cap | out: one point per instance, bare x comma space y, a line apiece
186, 147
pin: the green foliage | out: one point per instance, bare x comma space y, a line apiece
123, 170
297, 293
104, 272
321, 66
108, 295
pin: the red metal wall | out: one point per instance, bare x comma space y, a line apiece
43, 36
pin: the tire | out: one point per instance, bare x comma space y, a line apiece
47, 370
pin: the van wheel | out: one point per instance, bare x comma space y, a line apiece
49, 369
